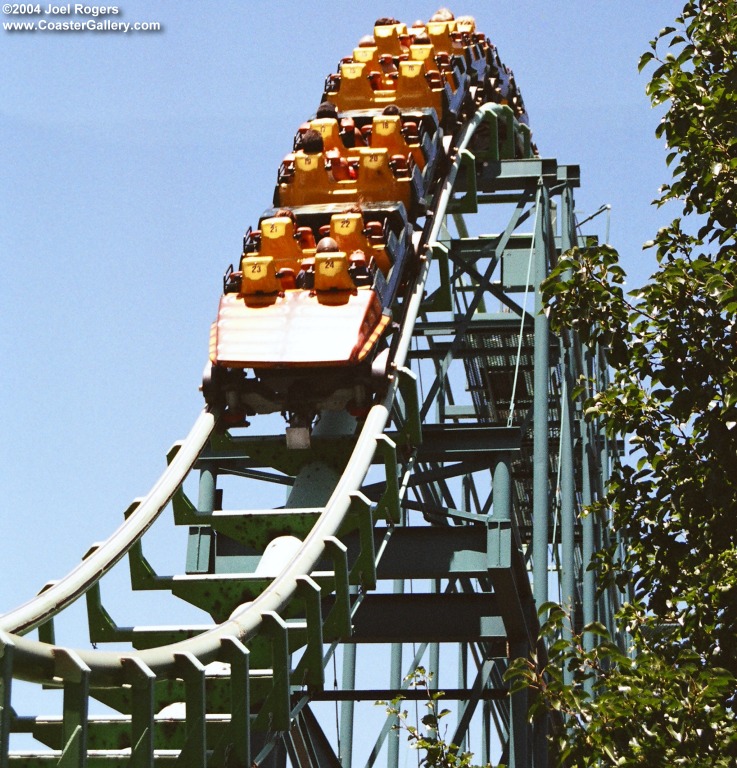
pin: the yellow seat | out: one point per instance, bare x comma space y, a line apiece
355, 91
277, 241
368, 55
386, 131
466, 25
374, 169
331, 272
387, 38
439, 33
413, 90
347, 231
259, 275
310, 182
425, 53
328, 128
433, 64
377, 181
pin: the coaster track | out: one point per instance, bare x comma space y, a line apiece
431, 523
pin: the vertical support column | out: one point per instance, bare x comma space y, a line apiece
567, 512
7, 648
207, 494
568, 240
567, 220
338, 621
462, 685
236, 654
607, 604
519, 732
76, 676
141, 680
194, 751
587, 528
310, 667
277, 710
435, 651
201, 543
395, 683
411, 398
486, 733
540, 482
541, 447
390, 500
347, 707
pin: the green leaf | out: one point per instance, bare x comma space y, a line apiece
645, 59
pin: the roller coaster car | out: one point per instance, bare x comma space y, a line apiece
370, 174
457, 43
411, 86
416, 132
451, 43
309, 327
393, 157
338, 135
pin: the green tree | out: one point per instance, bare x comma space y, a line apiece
662, 707
673, 353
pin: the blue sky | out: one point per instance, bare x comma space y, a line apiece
131, 166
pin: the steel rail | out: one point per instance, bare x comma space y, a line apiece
36, 661
64, 592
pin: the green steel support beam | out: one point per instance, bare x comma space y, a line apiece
467, 203
76, 676
519, 736
192, 672
6, 683
141, 680
434, 666
238, 749
276, 714
468, 708
440, 300
395, 682
390, 501
568, 517
460, 731
364, 568
338, 621
516, 176
541, 448
587, 524
347, 708
421, 617
519, 642
208, 489
310, 746
408, 390
46, 632
491, 127
310, 672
